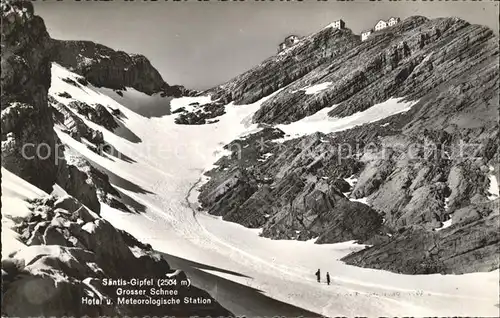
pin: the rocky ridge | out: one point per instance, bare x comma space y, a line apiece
105, 67
295, 61
407, 60
289, 65
65, 117
401, 180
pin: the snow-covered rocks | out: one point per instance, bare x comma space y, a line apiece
64, 254
196, 114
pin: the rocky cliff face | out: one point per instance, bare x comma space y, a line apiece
26, 118
30, 148
103, 66
397, 183
407, 60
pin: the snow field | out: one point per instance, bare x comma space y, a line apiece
171, 158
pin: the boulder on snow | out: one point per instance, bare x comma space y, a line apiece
341, 185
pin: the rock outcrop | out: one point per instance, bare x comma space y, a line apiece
97, 114
105, 67
28, 141
86, 183
285, 189
413, 59
469, 246
199, 114
400, 199
74, 125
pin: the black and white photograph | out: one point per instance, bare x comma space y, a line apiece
248, 158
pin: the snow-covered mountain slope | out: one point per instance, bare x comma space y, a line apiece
167, 163
412, 113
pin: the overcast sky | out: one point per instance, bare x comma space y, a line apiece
203, 44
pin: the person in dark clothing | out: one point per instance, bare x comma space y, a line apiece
318, 275
328, 278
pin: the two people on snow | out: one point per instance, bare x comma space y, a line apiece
318, 276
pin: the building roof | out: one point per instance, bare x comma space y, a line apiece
366, 31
